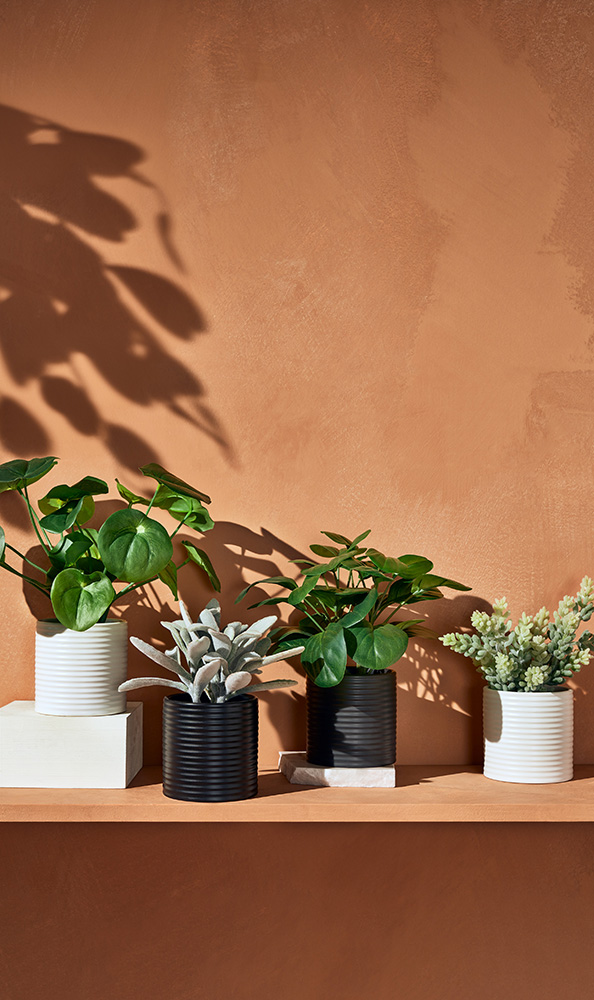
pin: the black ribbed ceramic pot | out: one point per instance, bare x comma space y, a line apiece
354, 723
210, 751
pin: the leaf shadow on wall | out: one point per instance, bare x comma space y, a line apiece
434, 682
67, 315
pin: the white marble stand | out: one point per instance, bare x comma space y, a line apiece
51, 751
295, 767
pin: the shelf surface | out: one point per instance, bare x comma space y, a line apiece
438, 794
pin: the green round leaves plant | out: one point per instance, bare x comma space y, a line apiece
84, 562
133, 546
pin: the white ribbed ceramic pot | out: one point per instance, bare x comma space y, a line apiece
528, 735
78, 673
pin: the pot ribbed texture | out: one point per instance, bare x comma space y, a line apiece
354, 723
210, 751
78, 673
528, 735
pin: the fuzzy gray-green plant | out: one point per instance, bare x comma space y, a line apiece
220, 663
539, 654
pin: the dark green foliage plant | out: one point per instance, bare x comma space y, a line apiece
83, 563
348, 603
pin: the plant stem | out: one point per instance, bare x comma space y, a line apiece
145, 583
29, 579
180, 525
306, 612
153, 498
35, 521
25, 558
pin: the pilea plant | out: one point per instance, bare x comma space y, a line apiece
220, 663
83, 563
539, 654
348, 603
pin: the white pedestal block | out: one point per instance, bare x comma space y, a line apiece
295, 767
47, 751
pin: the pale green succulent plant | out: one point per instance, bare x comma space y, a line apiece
539, 654
220, 663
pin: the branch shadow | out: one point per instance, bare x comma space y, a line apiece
67, 313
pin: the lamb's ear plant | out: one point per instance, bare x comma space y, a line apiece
348, 603
83, 563
539, 654
212, 663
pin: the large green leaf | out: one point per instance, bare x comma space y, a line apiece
378, 648
79, 600
412, 567
290, 638
90, 486
155, 471
19, 472
454, 585
385, 563
184, 508
169, 576
399, 592
326, 551
360, 537
89, 564
64, 505
201, 559
311, 581
59, 495
340, 539
360, 610
133, 546
69, 551
62, 518
325, 656
128, 495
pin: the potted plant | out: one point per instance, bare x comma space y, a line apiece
80, 655
527, 706
348, 604
210, 727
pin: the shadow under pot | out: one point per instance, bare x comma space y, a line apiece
210, 751
353, 724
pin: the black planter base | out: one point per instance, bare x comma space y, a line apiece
354, 723
210, 752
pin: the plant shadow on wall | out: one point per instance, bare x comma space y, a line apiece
69, 317
433, 683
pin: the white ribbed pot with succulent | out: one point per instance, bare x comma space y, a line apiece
527, 706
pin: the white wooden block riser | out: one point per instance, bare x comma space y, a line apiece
48, 751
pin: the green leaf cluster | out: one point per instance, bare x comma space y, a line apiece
348, 603
539, 654
130, 547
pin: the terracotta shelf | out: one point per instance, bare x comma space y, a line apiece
424, 795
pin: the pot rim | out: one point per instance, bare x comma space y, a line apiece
56, 621
182, 698
524, 694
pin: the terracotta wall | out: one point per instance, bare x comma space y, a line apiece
331, 261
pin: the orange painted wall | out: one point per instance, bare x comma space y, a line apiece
332, 261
